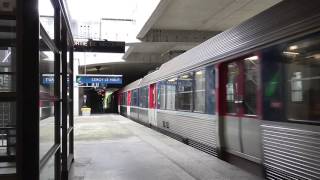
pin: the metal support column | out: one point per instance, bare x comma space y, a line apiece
64, 101
27, 90
71, 120
57, 91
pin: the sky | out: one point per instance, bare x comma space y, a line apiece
95, 9
85, 12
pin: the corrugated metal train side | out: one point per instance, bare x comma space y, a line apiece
251, 91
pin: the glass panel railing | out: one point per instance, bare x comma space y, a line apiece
47, 99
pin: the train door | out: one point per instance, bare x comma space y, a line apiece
119, 102
128, 103
241, 123
152, 105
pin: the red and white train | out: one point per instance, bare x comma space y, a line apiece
252, 92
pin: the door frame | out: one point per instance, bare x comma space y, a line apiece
152, 104
241, 81
239, 95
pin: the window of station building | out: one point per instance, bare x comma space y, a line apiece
184, 93
199, 91
143, 97
161, 95
297, 73
47, 99
251, 65
210, 97
171, 86
7, 69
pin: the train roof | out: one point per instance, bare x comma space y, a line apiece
133, 85
265, 28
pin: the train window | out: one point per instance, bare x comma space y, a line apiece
161, 95
171, 86
124, 99
296, 69
134, 98
137, 95
136, 91
199, 91
210, 90
140, 97
143, 97
233, 72
302, 70
121, 99
146, 104
296, 87
251, 85
184, 93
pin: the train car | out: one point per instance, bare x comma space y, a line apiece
251, 92
127, 100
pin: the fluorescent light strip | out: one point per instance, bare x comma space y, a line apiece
290, 53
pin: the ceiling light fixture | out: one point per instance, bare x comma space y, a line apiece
252, 58
172, 80
290, 53
293, 47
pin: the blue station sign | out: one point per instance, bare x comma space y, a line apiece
100, 79
48, 79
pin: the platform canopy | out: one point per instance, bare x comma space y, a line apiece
155, 31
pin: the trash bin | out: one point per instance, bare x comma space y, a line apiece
86, 111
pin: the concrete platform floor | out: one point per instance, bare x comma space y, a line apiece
112, 147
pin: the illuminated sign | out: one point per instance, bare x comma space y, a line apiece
100, 79
48, 79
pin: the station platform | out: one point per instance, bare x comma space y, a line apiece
114, 147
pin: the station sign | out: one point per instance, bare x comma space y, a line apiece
48, 79
99, 79
99, 46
